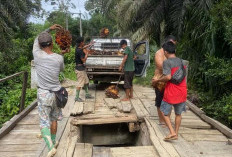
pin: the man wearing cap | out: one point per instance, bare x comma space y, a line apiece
48, 65
82, 79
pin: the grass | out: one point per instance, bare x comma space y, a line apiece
146, 81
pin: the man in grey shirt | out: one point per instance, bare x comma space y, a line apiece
48, 65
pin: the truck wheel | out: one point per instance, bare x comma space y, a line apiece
95, 82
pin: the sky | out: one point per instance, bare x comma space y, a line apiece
80, 7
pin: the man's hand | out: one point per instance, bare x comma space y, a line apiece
120, 68
67, 50
55, 26
89, 45
86, 51
135, 57
154, 81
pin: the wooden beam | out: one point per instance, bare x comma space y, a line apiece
24, 89
83, 150
11, 76
194, 108
230, 142
12, 123
222, 128
126, 119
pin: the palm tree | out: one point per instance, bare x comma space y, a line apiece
14, 15
142, 19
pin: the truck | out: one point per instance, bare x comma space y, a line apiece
105, 58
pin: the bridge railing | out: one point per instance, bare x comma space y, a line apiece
24, 86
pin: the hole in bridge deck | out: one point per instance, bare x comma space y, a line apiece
106, 136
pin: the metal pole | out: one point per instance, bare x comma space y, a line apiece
24, 88
66, 19
80, 25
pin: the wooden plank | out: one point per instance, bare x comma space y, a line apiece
70, 104
194, 108
34, 111
163, 148
29, 128
229, 141
126, 106
150, 106
204, 137
67, 142
21, 141
78, 109
184, 130
83, 150
18, 147
30, 120
92, 92
222, 128
119, 106
11, 76
12, 123
18, 154
139, 108
191, 123
139, 151
101, 151
183, 147
19, 136
110, 103
60, 130
225, 130
88, 107
100, 95
213, 149
126, 119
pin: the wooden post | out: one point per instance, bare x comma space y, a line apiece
24, 88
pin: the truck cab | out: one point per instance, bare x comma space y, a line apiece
105, 58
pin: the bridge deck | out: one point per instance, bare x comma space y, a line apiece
196, 137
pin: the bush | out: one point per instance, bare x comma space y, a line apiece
220, 110
11, 102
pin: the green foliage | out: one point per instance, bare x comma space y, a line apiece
69, 71
10, 102
13, 17
220, 109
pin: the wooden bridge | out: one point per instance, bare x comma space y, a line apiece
104, 127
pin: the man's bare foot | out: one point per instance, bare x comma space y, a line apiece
131, 97
125, 99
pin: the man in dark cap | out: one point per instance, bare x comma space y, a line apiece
82, 78
48, 65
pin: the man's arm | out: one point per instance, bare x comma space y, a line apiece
123, 62
166, 74
84, 56
158, 62
36, 46
165, 78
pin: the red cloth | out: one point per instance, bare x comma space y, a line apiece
175, 94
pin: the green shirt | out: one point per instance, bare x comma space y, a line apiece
129, 64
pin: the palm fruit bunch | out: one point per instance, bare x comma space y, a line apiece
112, 92
159, 85
63, 38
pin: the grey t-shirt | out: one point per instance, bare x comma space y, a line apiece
48, 67
171, 63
